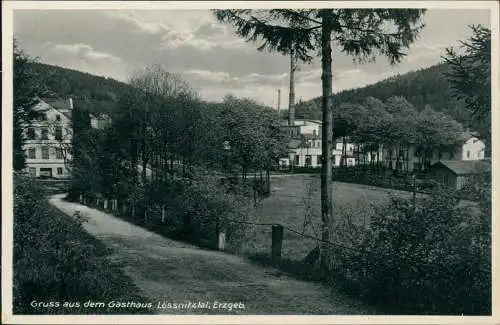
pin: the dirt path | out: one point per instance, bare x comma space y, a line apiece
169, 271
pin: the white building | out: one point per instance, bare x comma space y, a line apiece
49, 139
99, 121
305, 147
470, 148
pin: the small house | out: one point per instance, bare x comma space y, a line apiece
455, 173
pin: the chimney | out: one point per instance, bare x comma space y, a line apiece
70, 103
279, 104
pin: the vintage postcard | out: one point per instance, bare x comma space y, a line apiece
249, 162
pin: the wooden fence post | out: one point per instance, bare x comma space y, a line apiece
163, 214
221, 241
105, 204
277, 243
81, 198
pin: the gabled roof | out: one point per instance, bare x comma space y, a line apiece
462, 167
58, 103
62, 105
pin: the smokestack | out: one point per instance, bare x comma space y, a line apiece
279, 103
291, 98
70, 103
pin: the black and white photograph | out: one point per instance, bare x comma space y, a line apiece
167, 159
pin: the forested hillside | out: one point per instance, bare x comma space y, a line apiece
98, 94
424, 87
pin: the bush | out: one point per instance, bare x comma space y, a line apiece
56, 260
193, 209
431, 258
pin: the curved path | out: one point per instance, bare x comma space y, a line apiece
169, 271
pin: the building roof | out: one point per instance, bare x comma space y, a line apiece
99, 116
62, 105
462, 167
58, 103
299, 122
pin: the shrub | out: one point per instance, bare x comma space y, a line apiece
433, 257
56, 260
194, 207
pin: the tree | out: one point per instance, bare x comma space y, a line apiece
361, 33
26, 92
470, 77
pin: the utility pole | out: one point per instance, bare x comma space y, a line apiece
279, 104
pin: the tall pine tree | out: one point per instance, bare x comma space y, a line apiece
470, 78
362, 33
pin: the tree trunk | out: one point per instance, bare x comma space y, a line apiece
327, 129
291, 96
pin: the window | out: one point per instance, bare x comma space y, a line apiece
59, 153
314, 133
296, 160
468, 154
32, 153
308, 160
390, 152
58, 133
59, 171
416, 166
45, 134
31, 133
45, 153
58, 117
319, 159
32, 172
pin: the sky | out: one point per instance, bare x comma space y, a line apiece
208, 55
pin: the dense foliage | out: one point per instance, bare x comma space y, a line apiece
56, 260
421, 88
428, 256
395, 125
100, 93
470, 78
166, 155
26, 89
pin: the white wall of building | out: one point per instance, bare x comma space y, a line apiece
47, 154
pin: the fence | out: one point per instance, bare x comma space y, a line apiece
378, 277
273, 243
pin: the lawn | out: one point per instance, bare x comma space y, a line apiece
296, 196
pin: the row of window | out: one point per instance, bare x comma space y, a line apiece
45, 133
45, 171
31, 153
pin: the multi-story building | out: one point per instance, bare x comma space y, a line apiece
469, 148
49, 139
304, 149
